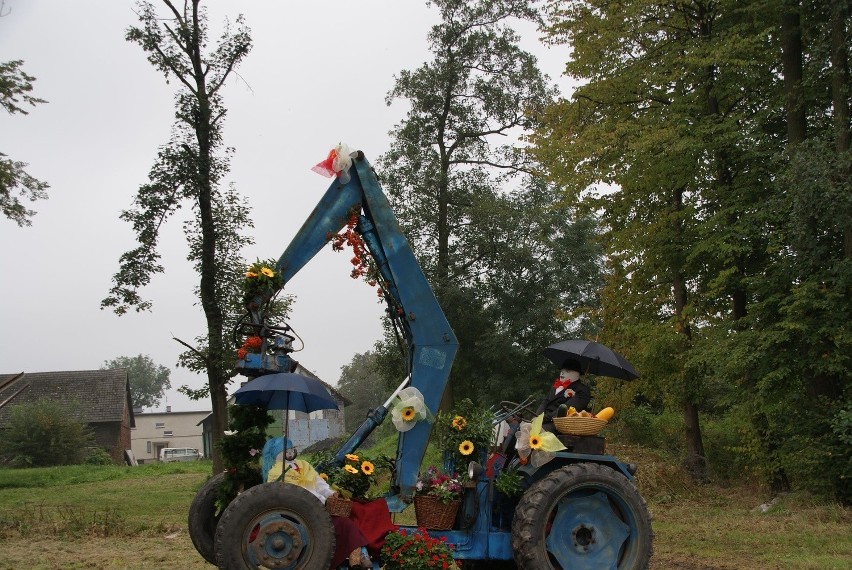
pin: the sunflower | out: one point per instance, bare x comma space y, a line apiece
250, 274
323, 476
268, 272
352, 457
466, 447
350, 469
535, 442
459, 423
408, 413
367, 468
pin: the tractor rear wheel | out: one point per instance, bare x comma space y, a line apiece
275, 525
202, 518
581, 516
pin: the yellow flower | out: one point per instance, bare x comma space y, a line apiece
268, 272
352, 457
350, 469
466, 447
250, 274
367, 468
535, 442
408, 414
324, 477
459, 423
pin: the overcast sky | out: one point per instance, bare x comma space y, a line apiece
317, 75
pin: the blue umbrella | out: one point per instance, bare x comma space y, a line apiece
286, 391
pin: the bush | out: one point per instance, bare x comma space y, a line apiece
43, 434
98, 456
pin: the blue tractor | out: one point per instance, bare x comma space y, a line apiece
580, 510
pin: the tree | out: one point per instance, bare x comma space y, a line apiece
15, 183
45, 433
148, 381
460, 194
189, 169
359, 382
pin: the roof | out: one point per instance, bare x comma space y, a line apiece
102, 395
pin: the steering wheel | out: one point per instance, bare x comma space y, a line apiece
521, 410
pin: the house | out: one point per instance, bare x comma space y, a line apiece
303, 429
157, 430
102, 397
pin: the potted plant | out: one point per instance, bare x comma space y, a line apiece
351, 481
437, 499
416, 550
464, 434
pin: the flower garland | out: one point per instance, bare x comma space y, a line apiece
252, 345
354, 240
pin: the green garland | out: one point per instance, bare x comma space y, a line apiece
241, 451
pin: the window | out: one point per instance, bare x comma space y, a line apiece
148, 446
160, 425
168, 433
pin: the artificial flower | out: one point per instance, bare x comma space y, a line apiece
352, 457
268, 272
535, 444
323, 476
459, 423
350, 469
466, 447
408, 409
367, 468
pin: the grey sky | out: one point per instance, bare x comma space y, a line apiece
317, 75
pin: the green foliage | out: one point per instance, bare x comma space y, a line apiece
509, 482
148, 380
241, 451
358, 383
98, 456
354, 478
45, 433
15, 183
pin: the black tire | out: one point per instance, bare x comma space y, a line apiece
203, 520
275, 525
584, 515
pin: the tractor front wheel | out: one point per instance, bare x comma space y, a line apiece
202, 518
582, 516
275, 525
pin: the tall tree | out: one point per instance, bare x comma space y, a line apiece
359, 383
15, 183
189, 169
449, 172
148, 380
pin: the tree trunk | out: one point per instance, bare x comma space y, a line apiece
791, 40
840, 98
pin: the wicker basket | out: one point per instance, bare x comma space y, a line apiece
433, 514
338, 506
578, 425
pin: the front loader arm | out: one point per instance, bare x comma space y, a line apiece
432, 345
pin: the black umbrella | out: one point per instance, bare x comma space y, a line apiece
593, 357
286, 391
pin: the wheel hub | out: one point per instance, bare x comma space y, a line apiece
597, 534
278, 544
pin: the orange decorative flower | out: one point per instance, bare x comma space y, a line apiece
352, 457
459, 423
367, 468
250, 274
350, 469
268, 272
535, 442
466, 447
323, 476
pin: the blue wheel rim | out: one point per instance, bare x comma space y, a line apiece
276, 540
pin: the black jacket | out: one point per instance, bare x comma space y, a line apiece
580, 400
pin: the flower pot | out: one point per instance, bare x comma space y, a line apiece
433, 514
338, 506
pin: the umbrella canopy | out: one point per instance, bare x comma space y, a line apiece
594, 357
286, 391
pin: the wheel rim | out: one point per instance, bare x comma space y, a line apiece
278, 539
599, 524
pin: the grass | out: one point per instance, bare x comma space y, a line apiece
82, 517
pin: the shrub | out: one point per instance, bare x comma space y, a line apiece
45, 433
415, 550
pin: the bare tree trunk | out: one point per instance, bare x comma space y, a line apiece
840, 97
791, 40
